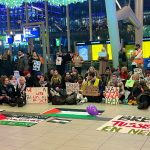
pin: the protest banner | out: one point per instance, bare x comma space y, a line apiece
72, 87
36, 65
91, 91
37, 95
128, 124
112, 95
22, 119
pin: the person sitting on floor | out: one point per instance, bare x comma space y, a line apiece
92, 80
21, 92
141, 95
56, 81
13, 81
90, 70
124, 74
43, 83
66, 78
7, 92
116, 82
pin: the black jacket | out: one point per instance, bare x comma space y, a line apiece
8, 90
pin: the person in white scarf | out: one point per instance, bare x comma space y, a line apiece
21, 92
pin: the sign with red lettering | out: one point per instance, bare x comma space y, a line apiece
128, 124
112, 95
37, 95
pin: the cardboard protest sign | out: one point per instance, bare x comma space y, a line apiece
129, 83
72, 87
139, 71
112, 95
36, 65
128, 124
58, 61
91, 91
37, 95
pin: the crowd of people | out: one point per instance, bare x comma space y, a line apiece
13, 87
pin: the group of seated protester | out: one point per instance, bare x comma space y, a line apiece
13, 91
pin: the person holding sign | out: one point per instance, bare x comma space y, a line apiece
91, 88
91, 69
43, 83
56, 81
116, 82
103, 58
60, 63
21, 92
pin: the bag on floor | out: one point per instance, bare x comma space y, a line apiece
143, 101
21, 101
72, 99
58, 100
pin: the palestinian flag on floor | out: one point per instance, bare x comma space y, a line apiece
21, 119
69, 113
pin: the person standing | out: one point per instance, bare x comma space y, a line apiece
137, 57
35, 64
6, 64
60, 63
123, 61
103, 58
22, 63
77, 61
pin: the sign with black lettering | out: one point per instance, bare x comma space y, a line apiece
72, 87
91, 91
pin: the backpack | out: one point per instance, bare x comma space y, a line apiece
72, 99
58, 100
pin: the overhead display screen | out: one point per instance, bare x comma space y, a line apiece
83, 52
18, 38
31, 32
96, 49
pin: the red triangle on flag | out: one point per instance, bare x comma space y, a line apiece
52, 111
2, 117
